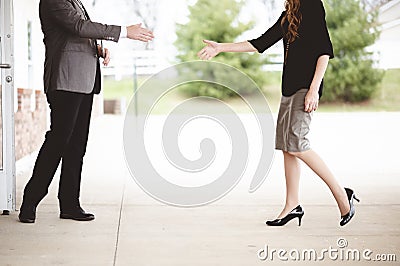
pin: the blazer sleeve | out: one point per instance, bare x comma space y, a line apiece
270, 37
65, 15
323, 45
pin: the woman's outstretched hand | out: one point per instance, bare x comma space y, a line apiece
209, 51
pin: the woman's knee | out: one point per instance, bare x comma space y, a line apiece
296, 153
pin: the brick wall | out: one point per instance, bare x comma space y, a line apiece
30, 125
116, 106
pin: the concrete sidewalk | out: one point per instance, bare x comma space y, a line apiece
131, 228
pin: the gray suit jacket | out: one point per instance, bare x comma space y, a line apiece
71, 62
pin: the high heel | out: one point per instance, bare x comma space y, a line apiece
348, 216
295, 213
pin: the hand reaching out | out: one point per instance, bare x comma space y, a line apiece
137, 32
211, 50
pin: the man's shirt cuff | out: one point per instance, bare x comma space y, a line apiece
124, 32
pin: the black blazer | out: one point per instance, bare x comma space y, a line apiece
313, 41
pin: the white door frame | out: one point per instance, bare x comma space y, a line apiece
7, 173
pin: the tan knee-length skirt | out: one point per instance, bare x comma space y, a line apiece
293, 124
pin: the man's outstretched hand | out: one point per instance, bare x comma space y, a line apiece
137, 32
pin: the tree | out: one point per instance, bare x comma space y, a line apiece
351, 76
270, 5
374, 4
217, 21
147, 12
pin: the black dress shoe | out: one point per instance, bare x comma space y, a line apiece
27, 214
348, 216
77, 214
295, 213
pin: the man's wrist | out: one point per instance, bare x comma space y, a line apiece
124, 32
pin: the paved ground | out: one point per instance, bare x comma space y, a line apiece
133, 229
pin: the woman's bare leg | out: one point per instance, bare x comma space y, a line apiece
314, 161
292, 175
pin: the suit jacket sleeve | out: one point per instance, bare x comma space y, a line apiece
64, 14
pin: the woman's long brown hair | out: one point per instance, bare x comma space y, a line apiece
293, 17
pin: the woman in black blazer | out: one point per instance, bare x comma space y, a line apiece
307, 50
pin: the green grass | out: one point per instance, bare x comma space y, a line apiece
387, 97
115, 89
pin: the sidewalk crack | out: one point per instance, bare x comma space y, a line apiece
119, 224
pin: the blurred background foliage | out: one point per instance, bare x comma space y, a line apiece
352, 83
351, 76
217, 21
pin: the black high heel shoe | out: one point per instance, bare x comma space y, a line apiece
347, 217
295, 213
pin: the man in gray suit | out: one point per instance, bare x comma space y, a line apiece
71, 78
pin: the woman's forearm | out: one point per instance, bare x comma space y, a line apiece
236, 47
212, 48
320, 70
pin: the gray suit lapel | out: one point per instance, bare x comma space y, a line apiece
81, 9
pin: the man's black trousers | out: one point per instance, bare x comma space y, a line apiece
65, 141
